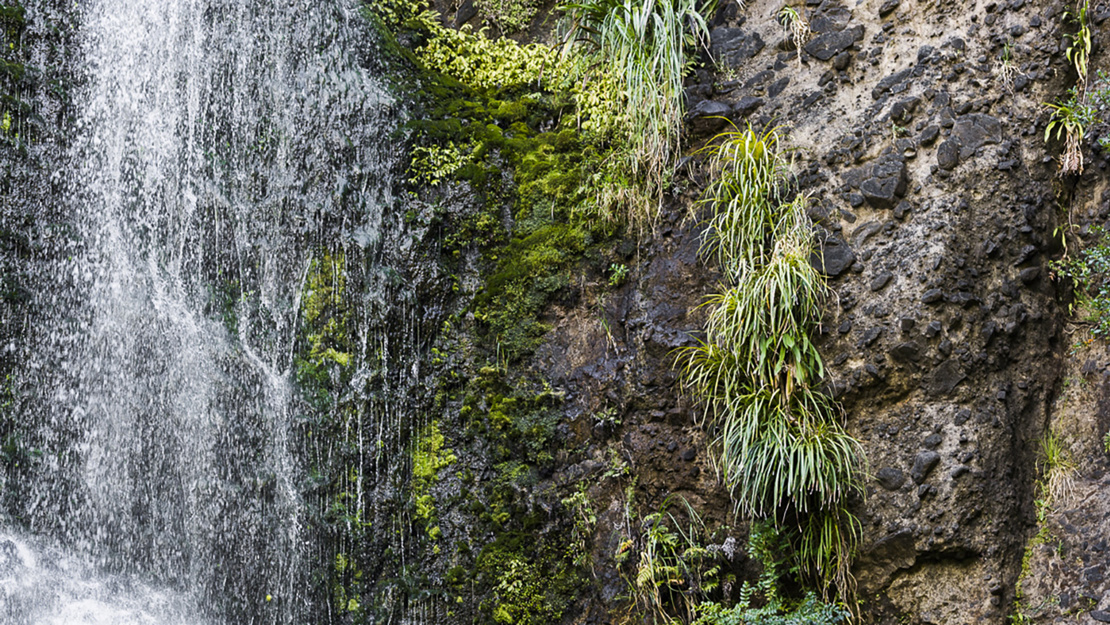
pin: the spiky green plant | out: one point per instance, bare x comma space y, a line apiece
1070, 120
780, 446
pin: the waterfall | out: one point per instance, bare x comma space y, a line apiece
221, 150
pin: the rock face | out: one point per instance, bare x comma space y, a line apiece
936, 201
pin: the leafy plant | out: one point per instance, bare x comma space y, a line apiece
767, 545
585, 519
1089, 272
509, 16
618, 273
1079, 46
1070, 120
675, 569
1106, 442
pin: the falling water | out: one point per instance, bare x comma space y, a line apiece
220, 147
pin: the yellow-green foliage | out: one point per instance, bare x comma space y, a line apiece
325, 312
509, 16
428, 458
480, 62
527, 586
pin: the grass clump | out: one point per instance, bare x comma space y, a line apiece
780, 445
637, 52
1057, 468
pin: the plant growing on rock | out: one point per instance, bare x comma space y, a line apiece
1069, 121
1007, 69
1059, 471
676, 569
641, 50
780, 445
795, 26
1090, 276
1079, 46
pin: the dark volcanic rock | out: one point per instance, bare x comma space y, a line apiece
890, 82
834, 257
887, 182
890, 478
923, 464
733, 46
948, 155
945, 378
747, 104
974, 131
708, 116
828, 45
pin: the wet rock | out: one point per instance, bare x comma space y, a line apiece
733, 46
1029, 275
932, 296
827, 45
888, 7
890, 478
1102, 616
924, 464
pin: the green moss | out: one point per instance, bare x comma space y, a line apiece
429, 457
489, 106
325, 311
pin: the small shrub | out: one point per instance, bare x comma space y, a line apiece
618, 273
1089, 272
